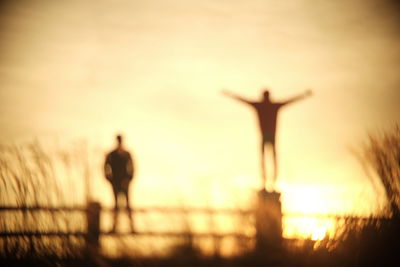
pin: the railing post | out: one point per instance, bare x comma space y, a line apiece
268, 221
93, 227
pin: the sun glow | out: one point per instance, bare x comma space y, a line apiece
307, 227
309, 209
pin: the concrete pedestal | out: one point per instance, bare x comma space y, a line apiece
268, 221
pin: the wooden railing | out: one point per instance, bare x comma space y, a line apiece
93, 232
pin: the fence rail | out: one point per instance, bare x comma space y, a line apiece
185, 210
268, 225
143, 210
140, 210
158, 209
145, 233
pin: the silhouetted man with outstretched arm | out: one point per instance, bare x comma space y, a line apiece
267, 112
119, 169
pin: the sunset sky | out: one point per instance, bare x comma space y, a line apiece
154, 71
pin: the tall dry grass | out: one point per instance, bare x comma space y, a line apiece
380, 155
33, 175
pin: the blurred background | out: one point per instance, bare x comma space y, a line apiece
73, 74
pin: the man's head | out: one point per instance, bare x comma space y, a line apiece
119, 140
266, 95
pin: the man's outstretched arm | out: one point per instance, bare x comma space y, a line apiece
236, 97
308, 93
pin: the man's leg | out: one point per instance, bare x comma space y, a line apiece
116, 210
128, 207
263, 171
275, 161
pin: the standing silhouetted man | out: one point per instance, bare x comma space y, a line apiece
119, 169
267, 112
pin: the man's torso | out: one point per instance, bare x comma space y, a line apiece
267, 118
119, 162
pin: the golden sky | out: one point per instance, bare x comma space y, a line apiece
154, 70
